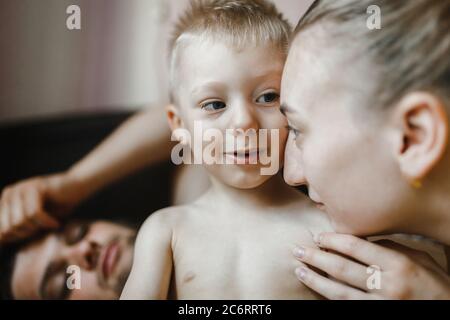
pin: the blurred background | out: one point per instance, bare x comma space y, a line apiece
63, 91
115, 62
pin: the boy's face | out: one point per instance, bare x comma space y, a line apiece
338, 147
222, 88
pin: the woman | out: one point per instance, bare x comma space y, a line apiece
369, 138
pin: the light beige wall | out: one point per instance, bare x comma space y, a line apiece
117, 60
46, 69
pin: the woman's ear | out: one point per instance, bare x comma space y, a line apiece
423, 125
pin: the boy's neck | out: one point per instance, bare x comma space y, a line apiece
274, 192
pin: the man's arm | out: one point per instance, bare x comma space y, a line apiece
33, 204
152, 263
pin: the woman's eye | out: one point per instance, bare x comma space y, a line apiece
268, 98
213, 106
294, 131
75, 232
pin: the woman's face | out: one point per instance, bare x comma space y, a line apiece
338, 147
101, 251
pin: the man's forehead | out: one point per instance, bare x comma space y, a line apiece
30, 266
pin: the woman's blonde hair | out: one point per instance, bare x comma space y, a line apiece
410, 52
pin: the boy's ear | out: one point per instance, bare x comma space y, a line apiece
422, 120
173, 117
175, 122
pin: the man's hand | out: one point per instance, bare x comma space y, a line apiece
36, 204
408, 274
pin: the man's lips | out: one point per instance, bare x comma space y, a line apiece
109, 259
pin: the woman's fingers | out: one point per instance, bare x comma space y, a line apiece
359, 249
418, 256
336, 266
328, 288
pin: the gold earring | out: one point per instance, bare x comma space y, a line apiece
416, 184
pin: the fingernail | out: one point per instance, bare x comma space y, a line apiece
318, 239
300, 273
299, 252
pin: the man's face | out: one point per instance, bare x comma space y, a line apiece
103, 252
338, 146
233, 91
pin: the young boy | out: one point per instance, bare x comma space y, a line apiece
236, 241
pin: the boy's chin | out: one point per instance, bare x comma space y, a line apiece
244, 181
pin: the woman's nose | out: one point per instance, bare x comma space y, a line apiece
84, 254
293, 164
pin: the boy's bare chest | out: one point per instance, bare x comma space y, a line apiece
240, 261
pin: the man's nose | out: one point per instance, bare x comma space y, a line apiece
244, 118
293, 164
84, 254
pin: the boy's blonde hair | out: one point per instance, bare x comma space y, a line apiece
240, 23
410, 52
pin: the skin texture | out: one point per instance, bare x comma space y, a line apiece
372, 171
81, 244
236, 241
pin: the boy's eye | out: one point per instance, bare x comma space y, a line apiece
213, 106
269, 97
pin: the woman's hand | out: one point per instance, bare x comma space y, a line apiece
35, 204
359, 269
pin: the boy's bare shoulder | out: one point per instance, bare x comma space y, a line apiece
168, 217
159, 226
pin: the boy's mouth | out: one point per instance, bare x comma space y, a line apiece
245, 156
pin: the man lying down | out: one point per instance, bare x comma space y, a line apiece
83, 260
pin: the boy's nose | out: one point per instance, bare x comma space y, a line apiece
244, 118
293, 168
84, 254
